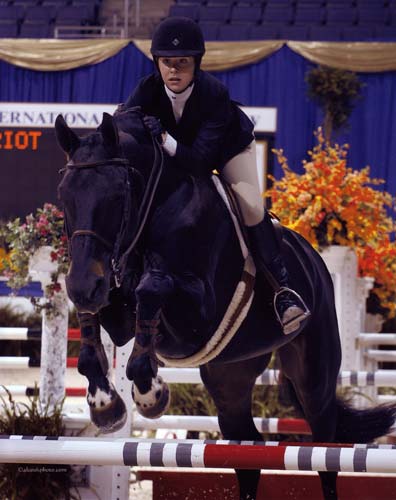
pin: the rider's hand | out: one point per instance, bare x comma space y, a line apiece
120, 108
154, 126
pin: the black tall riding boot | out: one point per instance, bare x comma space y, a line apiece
289, 307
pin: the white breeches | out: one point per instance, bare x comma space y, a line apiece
241, 173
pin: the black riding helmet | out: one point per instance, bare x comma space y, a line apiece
178, 37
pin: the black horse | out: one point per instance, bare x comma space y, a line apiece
166, 269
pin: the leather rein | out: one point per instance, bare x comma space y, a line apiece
119, 260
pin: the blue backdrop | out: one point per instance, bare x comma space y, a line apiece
277, 81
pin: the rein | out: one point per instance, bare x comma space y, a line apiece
119, 262
92, 164
147, 201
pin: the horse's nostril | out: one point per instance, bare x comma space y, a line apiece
87, 292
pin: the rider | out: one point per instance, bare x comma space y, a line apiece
201, 128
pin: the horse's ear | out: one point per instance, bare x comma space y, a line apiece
109, 132
65, 136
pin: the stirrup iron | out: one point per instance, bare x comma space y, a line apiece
294, 323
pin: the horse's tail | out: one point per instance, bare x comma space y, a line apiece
353, 425
363, 426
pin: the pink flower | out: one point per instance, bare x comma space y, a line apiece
43, 219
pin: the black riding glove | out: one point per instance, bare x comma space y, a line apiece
154, 126
120, 108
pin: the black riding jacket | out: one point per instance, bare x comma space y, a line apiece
212, 129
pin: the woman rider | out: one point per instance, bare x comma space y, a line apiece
201, 129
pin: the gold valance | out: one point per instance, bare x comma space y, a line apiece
57, 55
363, 57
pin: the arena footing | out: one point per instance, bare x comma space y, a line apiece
216, 485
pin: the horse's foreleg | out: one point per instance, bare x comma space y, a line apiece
149, 392
230, 386
107, 409
118, 318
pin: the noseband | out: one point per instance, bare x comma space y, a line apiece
119, 260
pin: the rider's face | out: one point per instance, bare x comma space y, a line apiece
177, 72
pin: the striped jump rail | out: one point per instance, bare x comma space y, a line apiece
201, 455
24, 390
367, 339
210, 424
23, 362
76, 420
25, 333
199, 441
202, 423
346, 378
381, 356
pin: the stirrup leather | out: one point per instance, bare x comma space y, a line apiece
294, 323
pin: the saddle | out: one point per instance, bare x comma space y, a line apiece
241, 301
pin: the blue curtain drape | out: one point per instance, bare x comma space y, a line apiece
277, 81
107, 82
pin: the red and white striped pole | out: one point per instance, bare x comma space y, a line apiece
197, 454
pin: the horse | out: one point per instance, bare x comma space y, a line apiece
154, 254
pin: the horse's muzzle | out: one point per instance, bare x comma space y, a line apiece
88, 292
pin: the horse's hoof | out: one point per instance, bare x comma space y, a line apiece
107, 416
155, 402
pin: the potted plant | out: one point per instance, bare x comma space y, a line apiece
24, 480
335, 90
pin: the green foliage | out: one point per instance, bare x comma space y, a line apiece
336, 91
33, 481
11, 316
191, 399
194, 399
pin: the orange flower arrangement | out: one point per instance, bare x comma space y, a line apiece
3, 257
331, 204
380, 262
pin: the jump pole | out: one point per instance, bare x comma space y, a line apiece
18, 437
228, 456
25, 362
203, 423
25, 333
346, 378
24, 390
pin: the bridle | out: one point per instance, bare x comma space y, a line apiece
119, 259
